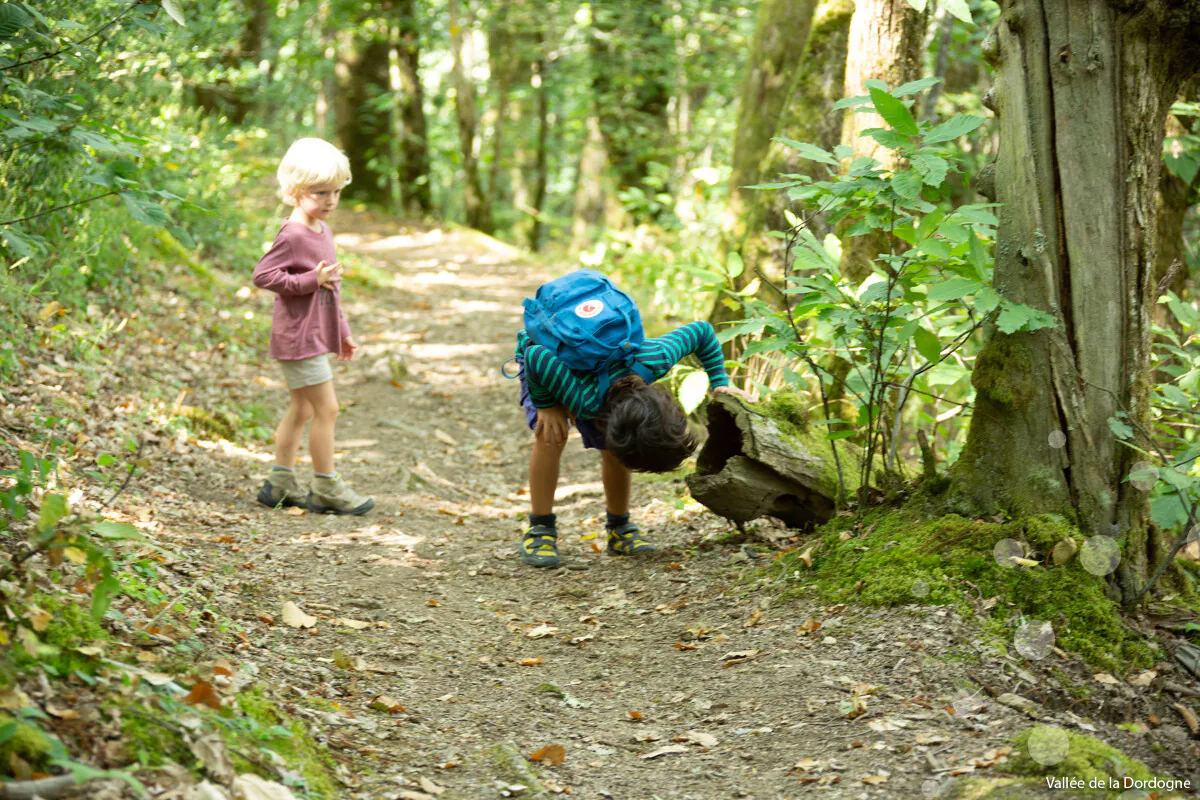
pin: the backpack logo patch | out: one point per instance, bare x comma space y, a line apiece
588, 309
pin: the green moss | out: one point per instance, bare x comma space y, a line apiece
788, 411
897, 558
28, 742
215, 423
154, 745
72, 624
1004, 371
300, 751
1087, 758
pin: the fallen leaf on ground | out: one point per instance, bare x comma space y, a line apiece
636, 716
294, 617
385, 703
881, 725
344, 661
806, 764
13, 698
61, 713
578, 640
1104, 677
431, 603
39, 619
156, 678
875, 780
810, 625
929, 738
1144, 679
807, 557
551, 754
219, 667
699, 737
754, 619
531, 662
683, 646
662, 751
444, 437
212, 753
542, 631
355, 624
1189, 718
203, 693
429, 786
740, 657
852, 708
252, 787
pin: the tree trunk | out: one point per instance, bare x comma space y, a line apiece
1082, 92
1175, 197
365, 129
505, 65
813, 85
541, 168
590, 185
631, 85
476, 202
945, 34
752, 466
414, 147
886, 40
775, 55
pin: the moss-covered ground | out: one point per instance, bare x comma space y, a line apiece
892, 557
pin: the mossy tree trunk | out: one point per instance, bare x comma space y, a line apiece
775, 55
886, 41
806, 80
415, 190
364, 129
476, 202
1082, 90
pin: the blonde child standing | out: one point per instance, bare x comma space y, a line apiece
301, 268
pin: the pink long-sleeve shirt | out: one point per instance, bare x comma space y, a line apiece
308, 319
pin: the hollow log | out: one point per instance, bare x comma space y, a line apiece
753, 466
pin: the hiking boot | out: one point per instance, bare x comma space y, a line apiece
626, 540
333, 496
539, 548
281, 489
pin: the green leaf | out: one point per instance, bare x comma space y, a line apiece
953, 289
887, 137
907, 184
16, 241
919, 5
146, 213
692, 391
850, 102
961, 10
1167, 511
928, 345
913, 87
12, 19
102, 596
938, 248
894, 112
809, 151
54, 508
175, 11
1016, 317
734, 266
933, 168
953, 128
8, 731
115, 530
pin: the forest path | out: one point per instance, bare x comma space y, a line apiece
638, 653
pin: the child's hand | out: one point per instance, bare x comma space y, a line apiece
328, 273
728, 389
552, 426
348, 348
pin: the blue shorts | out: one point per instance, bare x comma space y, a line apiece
593, 439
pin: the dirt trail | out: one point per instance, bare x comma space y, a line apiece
636, 653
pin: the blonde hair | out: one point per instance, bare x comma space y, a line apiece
311, 162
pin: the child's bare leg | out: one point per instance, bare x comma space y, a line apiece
543, 475
323, 401
291, 428
618, 483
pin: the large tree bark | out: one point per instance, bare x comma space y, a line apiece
1082, 90
801, 90
476, 203
414, 148
541, 164
365, 129
886, 40
591, 186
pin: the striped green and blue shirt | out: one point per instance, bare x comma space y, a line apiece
552, 383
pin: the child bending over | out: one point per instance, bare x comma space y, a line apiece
634, 425
302, 269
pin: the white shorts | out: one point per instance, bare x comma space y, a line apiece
307, 371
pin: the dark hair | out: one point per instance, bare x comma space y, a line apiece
645, 428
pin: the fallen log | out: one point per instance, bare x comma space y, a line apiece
753, 465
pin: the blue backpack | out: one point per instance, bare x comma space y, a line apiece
588, 323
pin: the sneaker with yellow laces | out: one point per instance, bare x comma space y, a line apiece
539, 548
626, 540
